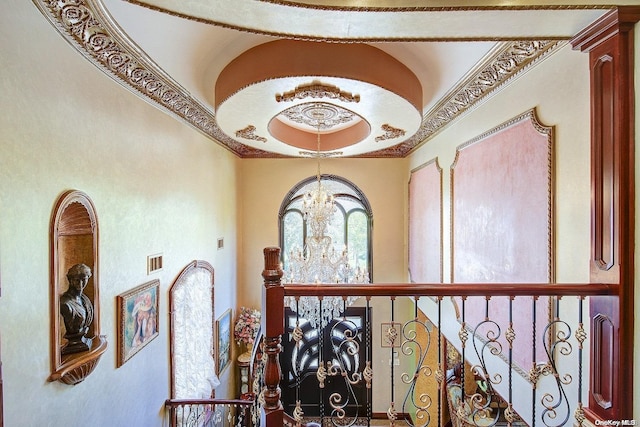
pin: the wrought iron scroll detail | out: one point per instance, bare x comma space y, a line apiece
480, 403
345, 343
415, 401
557, 410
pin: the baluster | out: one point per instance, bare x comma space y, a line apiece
321, 362
557, 334
440, 376
392, 413
297, 335
273, 326
480, 404
534, 373
368, 372
422, 403
510, 335
581, 336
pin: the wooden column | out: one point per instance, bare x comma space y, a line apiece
609, 43
273, 328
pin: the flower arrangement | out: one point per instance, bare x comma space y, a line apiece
246, 326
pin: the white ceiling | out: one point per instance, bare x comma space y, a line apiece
189, 43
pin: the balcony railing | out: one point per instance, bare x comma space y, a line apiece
485, 355
209, 412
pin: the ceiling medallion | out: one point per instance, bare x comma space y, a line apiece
389, 133
315, 89
318, 115
248, 133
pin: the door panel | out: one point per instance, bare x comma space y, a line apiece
341, 347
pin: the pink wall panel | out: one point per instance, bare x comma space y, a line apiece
501, 217
425, 224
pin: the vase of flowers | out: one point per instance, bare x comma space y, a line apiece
246, 328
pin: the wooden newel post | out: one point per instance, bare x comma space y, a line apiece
273, 327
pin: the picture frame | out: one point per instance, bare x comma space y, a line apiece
223, 341
137, 319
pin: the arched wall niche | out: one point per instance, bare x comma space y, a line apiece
74, 240
192, 320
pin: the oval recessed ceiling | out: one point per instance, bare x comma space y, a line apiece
367, 99
318, 126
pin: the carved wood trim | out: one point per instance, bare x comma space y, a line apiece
603, 332
74, 239
609, 43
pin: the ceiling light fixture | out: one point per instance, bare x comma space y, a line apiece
319, 261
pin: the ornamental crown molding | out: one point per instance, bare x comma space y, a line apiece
92, 31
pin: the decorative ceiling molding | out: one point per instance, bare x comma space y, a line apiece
317, 89
315, 154
197, 11
319, 115
511, 61
389, 133
249, 133
438, 5
90, 29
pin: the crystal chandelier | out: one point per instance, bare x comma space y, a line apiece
319, 261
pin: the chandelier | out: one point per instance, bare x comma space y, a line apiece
319, 261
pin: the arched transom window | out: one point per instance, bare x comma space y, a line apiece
350, 227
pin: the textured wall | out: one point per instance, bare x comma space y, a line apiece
157, 185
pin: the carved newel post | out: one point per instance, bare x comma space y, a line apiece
273, 327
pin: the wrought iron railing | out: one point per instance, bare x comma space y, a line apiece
210, 412
485, 355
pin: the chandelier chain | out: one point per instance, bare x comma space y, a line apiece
319, 261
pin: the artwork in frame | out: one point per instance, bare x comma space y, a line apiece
137, 319
223, 337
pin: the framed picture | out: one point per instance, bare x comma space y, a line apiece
223, 341
137, 319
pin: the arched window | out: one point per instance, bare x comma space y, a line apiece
351, 225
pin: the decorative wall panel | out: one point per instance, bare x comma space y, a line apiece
501, 222
425, 224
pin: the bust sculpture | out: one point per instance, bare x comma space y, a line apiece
76, 310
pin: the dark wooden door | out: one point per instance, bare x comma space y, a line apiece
344, 343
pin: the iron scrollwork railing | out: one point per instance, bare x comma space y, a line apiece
209, 412
327, 373
514, 357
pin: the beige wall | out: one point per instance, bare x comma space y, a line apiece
265, 183
157, 185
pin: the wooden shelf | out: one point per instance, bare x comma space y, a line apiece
76, 367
